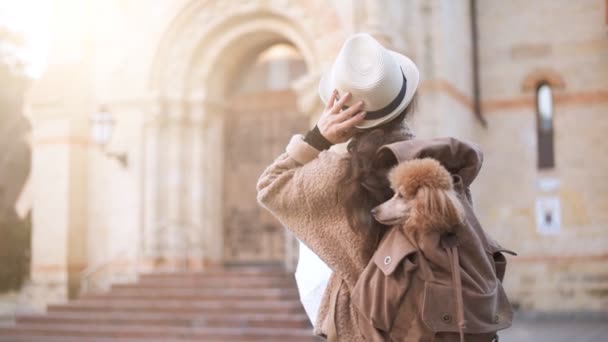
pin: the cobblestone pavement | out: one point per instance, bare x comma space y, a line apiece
556, 331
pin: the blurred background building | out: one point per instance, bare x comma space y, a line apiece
152, 121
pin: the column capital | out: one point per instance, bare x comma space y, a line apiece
202, 107
308, 100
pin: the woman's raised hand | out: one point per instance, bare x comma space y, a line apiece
337, 125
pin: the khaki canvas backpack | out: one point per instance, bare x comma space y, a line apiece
435, 286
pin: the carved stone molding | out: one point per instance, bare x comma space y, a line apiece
306, 89
196, 60
201, 27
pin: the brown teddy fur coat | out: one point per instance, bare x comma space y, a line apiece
300, 187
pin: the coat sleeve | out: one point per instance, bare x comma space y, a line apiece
299, 188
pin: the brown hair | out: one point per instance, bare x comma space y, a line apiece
363, 186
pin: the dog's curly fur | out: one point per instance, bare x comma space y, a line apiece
419, 173
428, 188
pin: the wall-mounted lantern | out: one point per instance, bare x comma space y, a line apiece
102, 124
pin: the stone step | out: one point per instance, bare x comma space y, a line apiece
25, 337
190, 286
158, 332
238, 271
198, 294
218, 275
175, 319
217, 306
202, 282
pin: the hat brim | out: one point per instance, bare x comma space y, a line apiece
410, 71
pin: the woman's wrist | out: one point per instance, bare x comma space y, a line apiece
315, 139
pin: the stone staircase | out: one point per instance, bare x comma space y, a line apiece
245, 304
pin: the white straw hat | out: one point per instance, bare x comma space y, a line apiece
384, 80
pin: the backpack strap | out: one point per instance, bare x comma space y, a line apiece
450, 243
332, 332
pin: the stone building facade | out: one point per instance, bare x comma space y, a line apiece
205, 93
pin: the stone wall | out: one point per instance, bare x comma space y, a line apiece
186, 55
564, 43
443, 54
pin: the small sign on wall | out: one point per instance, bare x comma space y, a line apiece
548, 215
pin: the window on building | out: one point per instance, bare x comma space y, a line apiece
544, 126
273, 70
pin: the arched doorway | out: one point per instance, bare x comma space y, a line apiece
261, 116
245, 78
225, 109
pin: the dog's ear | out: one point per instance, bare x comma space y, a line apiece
437, 210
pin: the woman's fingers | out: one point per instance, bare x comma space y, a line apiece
347, 125
338, 125
350, 123
338, 105
349, 112
330, 103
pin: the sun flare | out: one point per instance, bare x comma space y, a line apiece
30, 19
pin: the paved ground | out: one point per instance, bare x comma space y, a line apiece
8, 305
561, 330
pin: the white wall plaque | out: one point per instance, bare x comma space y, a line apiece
548, 215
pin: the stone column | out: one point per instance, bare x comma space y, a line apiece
213, 182
183, 184
197, 244
59, 182
150, 185
173, 225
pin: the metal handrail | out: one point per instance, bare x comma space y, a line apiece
88, 272
184, 234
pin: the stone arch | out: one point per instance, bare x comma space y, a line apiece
240, 40
209, 26
195, 60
